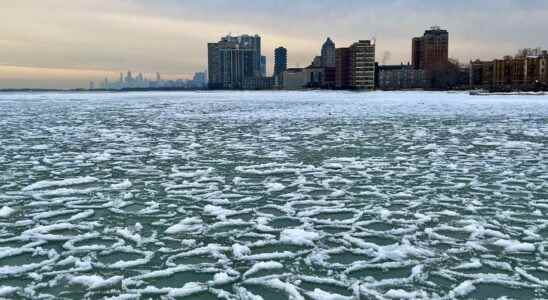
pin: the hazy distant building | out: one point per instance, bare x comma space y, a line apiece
431, 51
328, 58
355, 66
232, 60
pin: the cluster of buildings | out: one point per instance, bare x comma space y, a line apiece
235, 62
129, 81
528, 70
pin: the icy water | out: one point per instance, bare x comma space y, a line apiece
323, 196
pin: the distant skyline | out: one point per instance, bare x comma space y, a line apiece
66, 44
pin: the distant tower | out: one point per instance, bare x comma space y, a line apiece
158, 78
280, 61
263, 65
329, 56
121, 77
129, 77
91, 85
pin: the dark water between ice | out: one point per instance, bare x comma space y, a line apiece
273, 196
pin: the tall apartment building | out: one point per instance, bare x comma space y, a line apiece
280, 60
232, 60
355, 66
328, 58
431, 51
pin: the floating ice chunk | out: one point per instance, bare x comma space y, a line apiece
319, 294
82, 215
291, 290
178, 174
314, 131
94, 282
474, 264
124, 185
7, 290
260, 266
60, 183
272, 255
403, 294
394, 252
274, 187
105, 156
192, 225
532, 278
515, 246
298, 236
124, 264
219, 212
188, 289
244, 294
463, 289
6, 211
240, 251
223, 278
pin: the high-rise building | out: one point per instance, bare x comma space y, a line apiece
355, 66
233, 59
263, 66
431, 51
280, 60
328, 58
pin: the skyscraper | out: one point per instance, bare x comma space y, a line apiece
280, 61
328, 58
355, 66
263, 66
232, 60
431, 51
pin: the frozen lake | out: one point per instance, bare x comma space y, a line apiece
273, 195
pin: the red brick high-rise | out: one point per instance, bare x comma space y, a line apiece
431, 51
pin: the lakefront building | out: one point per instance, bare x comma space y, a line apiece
328, 58
355, 66
232, 60
401, 77
510, 73
280, 65
431, 51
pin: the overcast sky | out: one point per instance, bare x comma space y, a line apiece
67, 43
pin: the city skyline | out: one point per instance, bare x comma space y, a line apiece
85, 41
